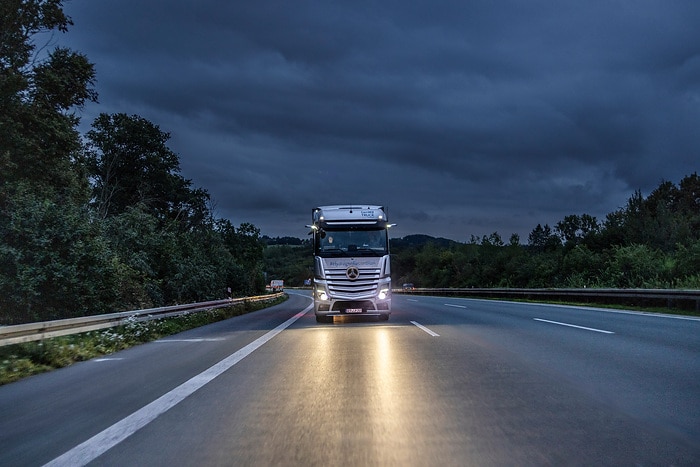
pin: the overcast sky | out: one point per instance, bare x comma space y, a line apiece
463, 117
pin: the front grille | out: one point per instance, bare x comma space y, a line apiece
365, 285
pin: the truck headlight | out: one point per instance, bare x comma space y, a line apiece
383, 294
321, 294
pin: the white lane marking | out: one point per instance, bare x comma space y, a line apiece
106, 359
115, 434
412, 300
573, 326
454, 306
420, 326
211, 339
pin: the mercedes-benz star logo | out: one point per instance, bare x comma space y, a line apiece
353, 273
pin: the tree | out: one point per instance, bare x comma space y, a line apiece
687, 266
688, 207
574, 229
38, 140
493, 239
543, 239
247, 248
638, 266
581, 267
612, 232
290, 262
689, 195
54, 261
514, 240
19, 21
130, 164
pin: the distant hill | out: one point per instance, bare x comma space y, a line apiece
419, 240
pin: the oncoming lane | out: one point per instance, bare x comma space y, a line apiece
639, 365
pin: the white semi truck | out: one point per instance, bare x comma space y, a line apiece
352, 274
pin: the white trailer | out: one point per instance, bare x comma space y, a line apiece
352, 273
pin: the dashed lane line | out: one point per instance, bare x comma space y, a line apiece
423, 328
573, 326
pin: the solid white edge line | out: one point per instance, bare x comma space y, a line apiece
115, 434
574, 326
454, 306
420, 326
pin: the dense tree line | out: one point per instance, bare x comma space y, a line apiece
652, 242
103, 221
290, 262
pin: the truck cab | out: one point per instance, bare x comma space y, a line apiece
352, 272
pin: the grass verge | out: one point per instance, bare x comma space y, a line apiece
21, 360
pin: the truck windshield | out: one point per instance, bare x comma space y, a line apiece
352, 243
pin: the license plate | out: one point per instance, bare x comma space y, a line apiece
353, 310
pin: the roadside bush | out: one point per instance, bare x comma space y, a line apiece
638, 266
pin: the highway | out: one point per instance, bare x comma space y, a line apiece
445, 381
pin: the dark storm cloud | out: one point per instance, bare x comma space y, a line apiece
464, 117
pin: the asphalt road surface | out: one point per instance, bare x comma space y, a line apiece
444, 382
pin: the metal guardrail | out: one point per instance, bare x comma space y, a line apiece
669, 298
43, 330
